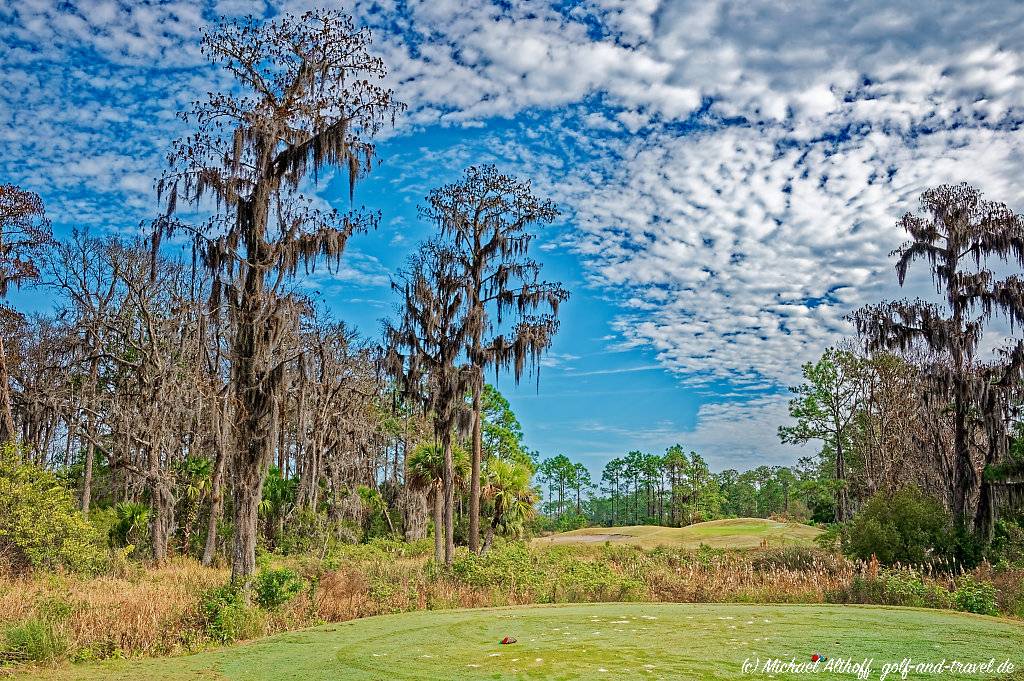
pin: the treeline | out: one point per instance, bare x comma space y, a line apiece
677, 489
205, 404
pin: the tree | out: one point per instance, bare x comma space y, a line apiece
427, 471
486, 215
82, 269
678, 468
611, 475
24, 233
508, 488
502, 434
962, 237
303, 98
580, 481
424, 352
824, 409
700, 474
633, 472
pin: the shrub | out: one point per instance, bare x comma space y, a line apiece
570, 520
228, 618
583, 580
975, 595
273, 588
904, 587
508, 565
34, 640
40, 525
130, 522
1007, 550
905, 527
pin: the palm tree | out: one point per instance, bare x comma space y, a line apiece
278, 496
508, 486
132, 519
194, 476
426, 471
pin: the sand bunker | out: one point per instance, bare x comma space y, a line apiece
586, 538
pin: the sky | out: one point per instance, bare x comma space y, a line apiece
729, 172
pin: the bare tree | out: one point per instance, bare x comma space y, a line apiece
24, 233
961, 236
304, 99
487, 216
81, 270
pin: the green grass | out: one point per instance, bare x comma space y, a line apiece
614, 641
735, 533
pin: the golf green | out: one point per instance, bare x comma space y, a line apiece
614, 641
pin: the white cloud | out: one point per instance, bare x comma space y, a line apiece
771, 145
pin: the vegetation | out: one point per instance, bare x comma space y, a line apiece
184, 607
963, 238
303, 99
901, 527
193, 451
40, 525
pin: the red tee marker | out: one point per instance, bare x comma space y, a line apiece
507, 640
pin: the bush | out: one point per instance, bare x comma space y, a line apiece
1007, 550
273, 588
508, 565
570, 520
975, 595
40, 525
228, 618
904, 527
584, 580
35, 640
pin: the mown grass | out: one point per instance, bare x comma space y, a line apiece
625, 640
734, 533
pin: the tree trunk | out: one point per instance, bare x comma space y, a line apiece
449, 503
474, 483
216, 490
963, 473
163, 519
7, 417
415, 515
842, 494
90, 434
438, 524
489, 539
90, 460
984, 517
243, 556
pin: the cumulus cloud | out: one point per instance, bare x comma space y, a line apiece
737, 252
732, 168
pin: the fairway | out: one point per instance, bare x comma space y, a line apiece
619, 640
734, 533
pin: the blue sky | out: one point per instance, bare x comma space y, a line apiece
730, 172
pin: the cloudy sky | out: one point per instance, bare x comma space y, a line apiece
730, 172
